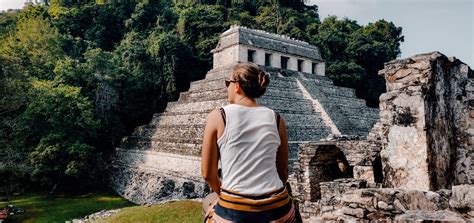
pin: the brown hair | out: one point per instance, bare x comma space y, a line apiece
252, 79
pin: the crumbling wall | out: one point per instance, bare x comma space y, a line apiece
391, 204
427, 122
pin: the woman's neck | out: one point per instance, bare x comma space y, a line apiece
246, 101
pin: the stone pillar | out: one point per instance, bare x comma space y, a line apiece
321, 69
427, 117
259, 57
226, 56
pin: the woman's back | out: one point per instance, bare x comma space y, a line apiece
253, 150
248, 150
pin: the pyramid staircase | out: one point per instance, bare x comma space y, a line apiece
161, 159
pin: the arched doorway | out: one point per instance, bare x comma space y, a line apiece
327, 164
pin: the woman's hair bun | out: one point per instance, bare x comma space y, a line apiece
263, 79
252, 79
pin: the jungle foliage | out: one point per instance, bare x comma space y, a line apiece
77, 76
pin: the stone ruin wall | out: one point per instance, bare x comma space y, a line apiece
428, 120
421, 151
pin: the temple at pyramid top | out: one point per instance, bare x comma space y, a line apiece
240, 44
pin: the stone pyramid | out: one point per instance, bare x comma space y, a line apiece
161, 160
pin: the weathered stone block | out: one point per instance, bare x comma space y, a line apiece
357, 212
425, 116
462, 198
429, 216
421, 200
357, 198
364, 173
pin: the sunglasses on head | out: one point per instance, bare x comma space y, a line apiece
227, 82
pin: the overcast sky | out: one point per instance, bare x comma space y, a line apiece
428, 25
11, 4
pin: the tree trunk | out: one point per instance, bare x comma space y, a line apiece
56, 185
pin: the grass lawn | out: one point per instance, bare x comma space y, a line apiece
179, 211
43, 208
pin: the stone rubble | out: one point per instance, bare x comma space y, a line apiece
95, 216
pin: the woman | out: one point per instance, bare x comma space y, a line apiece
252, 143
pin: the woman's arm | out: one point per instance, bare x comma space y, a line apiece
282, 154
209, 153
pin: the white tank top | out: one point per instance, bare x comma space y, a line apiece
248, 149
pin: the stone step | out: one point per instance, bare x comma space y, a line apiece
285, 83
342, 111
164, 119
314, 119
283, 93
363, 122
314, 87
363, 112
191, 126
186, 130
206, 111
224, 72
221, 93
345, 101
303, 133
337, 91
193, 134
221, 72
192, 107
193, 96
288, 106
133, 141
157, 145
317, 79
291, 106
218, 83
192, 146
207, 84
178, 131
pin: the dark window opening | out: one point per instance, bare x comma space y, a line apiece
284, 62
300, 65
268, 59
250, 55
313, 68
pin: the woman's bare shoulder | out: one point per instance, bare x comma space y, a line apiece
213, 117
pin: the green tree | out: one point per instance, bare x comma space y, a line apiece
58, 123
8, 21
356, 53
346, 73
33, 48
58, 161
332, 38
374, 44
200, 26
100, 80
100, 25
148, 13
